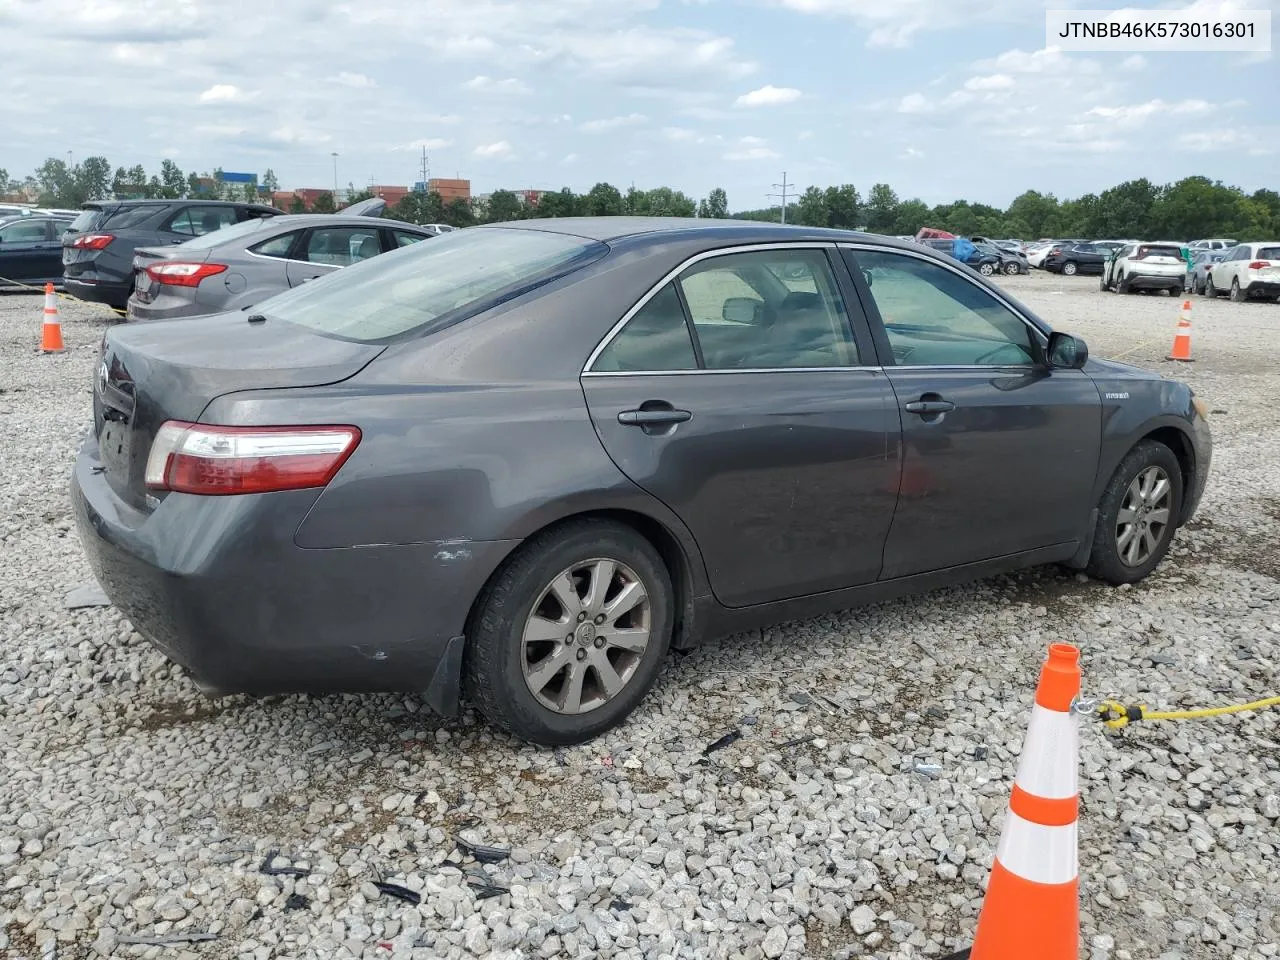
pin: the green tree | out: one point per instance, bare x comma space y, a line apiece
193, 184
882, 208
297, 205
843, 206
420, 207
660, 202
173, 183
57, 185
270, 182
911, 216
562, 203
503, 207
767, 215
1126, 210
458, 213
603, 200
94, 177
355, 196
1037, 211
715, 206
324, 203
812, 209
7, 186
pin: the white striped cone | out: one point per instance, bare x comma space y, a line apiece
51, 334
1032, 903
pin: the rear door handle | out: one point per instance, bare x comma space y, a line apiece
647, 418
928, 406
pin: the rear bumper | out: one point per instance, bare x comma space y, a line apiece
167, 308
1263, 288
218, 586
1139, 281
105, 291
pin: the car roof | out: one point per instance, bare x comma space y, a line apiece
317, 219
102, 204
606, 229
35, 218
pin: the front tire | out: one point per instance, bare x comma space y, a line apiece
569, 636
1137, 515
1122, 286
986, 269
1011, 270
1069, 268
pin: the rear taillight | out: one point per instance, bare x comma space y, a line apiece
1259, 264
175, 273
1055, 252
92, 241
220, 461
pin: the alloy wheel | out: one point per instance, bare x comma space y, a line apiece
586, 636
1144, 516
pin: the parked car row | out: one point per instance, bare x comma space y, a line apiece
985, 257
1242, 272
31, 249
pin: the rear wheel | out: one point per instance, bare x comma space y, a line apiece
1197, 287
1137, 515
1069, 268
1011, 269
1209, 289
570, 635
1237, 295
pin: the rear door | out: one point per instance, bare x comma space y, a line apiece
741, 396
325, 249
22, 250
999, 452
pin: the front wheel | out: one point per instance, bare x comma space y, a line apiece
1122, 285
1011, 269
1069, 268
986, 269
1137, 515
570, 635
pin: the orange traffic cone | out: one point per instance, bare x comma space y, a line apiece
1182, 339
51, 341
1031, 908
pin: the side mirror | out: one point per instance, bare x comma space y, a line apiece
1067, 352
741, 310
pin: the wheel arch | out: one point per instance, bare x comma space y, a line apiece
680, 557
1180, 443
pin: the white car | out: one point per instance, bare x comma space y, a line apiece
1146, 266
1248, 270
1037, 252
1213, 244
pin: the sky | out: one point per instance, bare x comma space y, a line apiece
942, 99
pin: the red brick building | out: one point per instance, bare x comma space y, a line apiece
450, 190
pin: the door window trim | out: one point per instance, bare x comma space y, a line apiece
1039, 336
672, 275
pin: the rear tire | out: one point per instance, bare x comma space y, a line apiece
1237, 295
505, 643
1115, 557
1210, 290
1069, 268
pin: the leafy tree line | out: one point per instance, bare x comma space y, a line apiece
1190, 209
57, 183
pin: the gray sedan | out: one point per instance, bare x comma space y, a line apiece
239, 265
523, 461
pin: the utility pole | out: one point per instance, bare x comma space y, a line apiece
783, 195
426, 171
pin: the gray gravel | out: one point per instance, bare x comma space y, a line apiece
131, 808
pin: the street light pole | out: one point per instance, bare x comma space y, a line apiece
335, 176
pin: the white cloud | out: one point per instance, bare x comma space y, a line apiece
225, 93
995, 81
1139, 112
751, 153
806, 135
894, 24
752, 141
768, 95
493, 150
485, 84
570, 158
914, 103
430, 143
354, 80
463, 47
295, 136
681, 135
1049, 60
1134, 63
613, 123
911, 153
704, 113
1226, 138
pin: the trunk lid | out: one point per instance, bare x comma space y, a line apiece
143, 257
152, 372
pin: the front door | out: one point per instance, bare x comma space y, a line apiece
762, 429
326, 249
999, 452
21, 250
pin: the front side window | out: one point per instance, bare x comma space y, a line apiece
935, 317
768, 309
198, 221
23, 232
405, 239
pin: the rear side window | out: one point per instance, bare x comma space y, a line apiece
342, 246
88, 220
656, 338
1269, 253
404, 239
428, 284
127, 217
198, 221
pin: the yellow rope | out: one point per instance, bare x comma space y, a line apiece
1116, 715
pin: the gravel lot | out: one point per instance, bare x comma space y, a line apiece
131, 806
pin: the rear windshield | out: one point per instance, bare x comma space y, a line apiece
1144, 252
430, 283
218, 237
1269, 253
87, 220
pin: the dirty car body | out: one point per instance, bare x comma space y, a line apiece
740, 423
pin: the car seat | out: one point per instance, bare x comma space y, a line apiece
369, 247
800, 334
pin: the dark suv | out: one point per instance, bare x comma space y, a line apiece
97, 252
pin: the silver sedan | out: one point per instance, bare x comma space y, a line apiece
240, 265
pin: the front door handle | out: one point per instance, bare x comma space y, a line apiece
929, 406
649, 418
